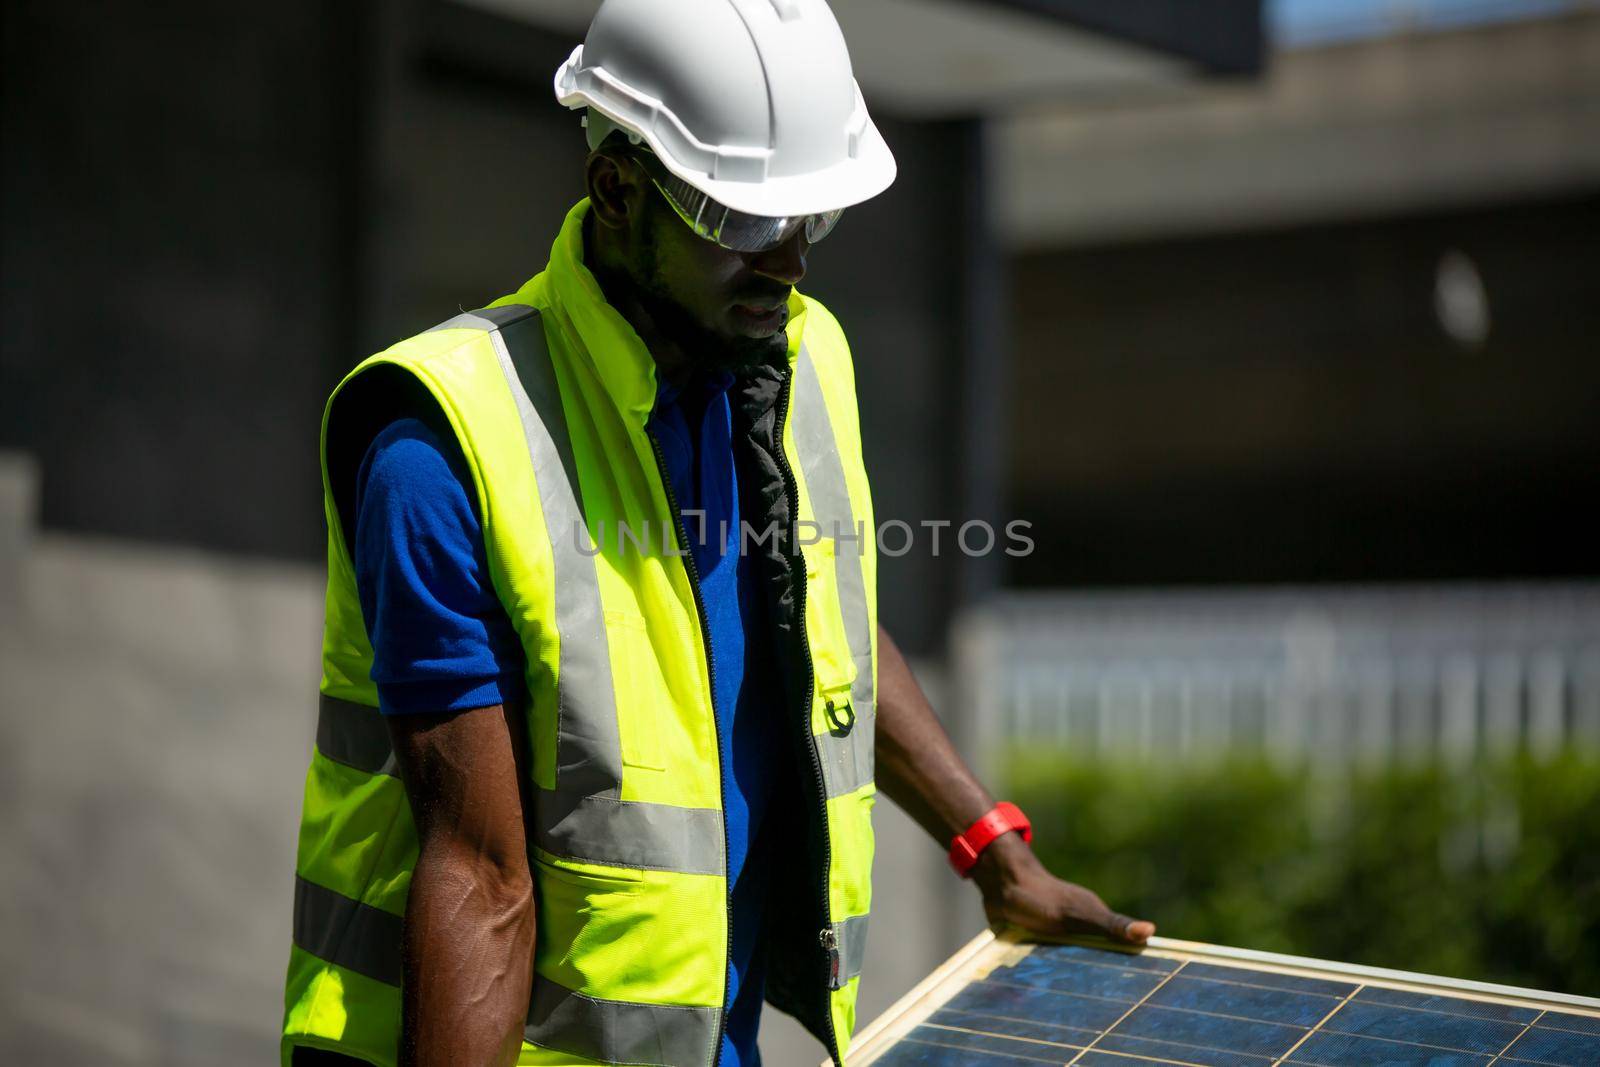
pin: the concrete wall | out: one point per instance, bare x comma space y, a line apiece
155, 722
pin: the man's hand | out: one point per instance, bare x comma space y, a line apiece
1018, 891
919, 769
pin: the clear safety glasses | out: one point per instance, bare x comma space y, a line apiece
733, 230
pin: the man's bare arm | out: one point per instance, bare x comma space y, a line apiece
469, 924
919, 769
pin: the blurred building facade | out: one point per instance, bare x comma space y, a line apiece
1336, 326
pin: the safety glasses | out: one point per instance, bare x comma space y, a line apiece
733, 230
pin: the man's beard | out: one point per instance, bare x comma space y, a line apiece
707, 350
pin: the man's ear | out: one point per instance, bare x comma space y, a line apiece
615, 192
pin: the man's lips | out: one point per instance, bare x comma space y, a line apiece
761, 314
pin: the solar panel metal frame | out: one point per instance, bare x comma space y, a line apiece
980, 956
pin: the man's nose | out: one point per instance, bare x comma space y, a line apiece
787, 262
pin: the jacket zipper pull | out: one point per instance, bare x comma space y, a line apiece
830, 943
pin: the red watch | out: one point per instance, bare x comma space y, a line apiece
1002, 818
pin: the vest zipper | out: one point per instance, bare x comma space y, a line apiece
711, 680
826, 937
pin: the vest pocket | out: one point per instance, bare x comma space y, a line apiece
586, 879
641, 936
843, 731
834, 666
632, 661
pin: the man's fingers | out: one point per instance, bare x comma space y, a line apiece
1079, 910
1122, 928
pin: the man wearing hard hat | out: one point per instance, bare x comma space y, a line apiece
602, 673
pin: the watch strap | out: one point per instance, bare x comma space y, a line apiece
1004, 817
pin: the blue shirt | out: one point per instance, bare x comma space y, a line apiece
442, 641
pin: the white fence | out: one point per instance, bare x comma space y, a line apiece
1348, 675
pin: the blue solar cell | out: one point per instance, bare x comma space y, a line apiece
1546, 1042
1182, 1027
932, 1046
1002, 999
1036, 1029
1271, 980
913, 1052
1429, 1029
1102, 957
1236, 995
1067, 968
1103, 1059
1580, 1024
1323, 1049
1478, 1009
1170, 1052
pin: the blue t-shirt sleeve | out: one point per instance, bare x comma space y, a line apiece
441, 640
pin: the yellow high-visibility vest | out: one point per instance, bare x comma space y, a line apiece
548, 392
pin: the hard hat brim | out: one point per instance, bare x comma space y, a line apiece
868, 171
852, 181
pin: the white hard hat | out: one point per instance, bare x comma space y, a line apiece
752, 102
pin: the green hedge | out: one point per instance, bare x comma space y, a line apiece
1490, 872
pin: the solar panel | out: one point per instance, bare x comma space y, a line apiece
1002, 1003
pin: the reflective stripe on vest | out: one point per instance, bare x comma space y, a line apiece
354, 735
588, 747
347, 933
618, 1031
851, 937
584, 817
367, 940
847, 751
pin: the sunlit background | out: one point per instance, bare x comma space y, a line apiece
1277, 323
